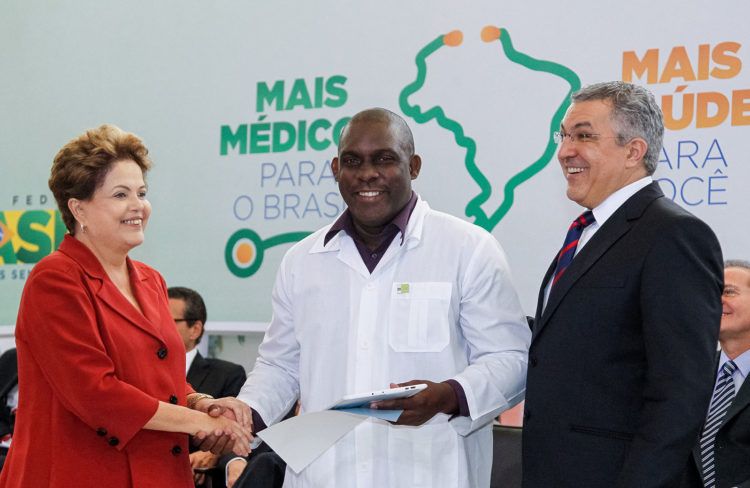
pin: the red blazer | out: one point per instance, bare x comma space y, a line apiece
91, 370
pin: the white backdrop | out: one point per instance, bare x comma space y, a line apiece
221, 91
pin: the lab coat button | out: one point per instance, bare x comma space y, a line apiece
113, 441
173, 399
176, 450
101, 431
161, 353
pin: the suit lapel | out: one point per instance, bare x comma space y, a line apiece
540, 298
740, 401
8, 372
198, 372
109, 294
613, 229
147, 294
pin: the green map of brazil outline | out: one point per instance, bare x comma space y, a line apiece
251, 246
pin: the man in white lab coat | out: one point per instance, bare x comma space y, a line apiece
393, 293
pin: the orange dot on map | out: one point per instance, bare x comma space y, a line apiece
490, 33
245, 253
453, 38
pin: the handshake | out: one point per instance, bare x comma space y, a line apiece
226, 427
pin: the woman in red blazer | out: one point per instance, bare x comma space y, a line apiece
101, 368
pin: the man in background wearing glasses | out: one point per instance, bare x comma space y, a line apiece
622, 355
214, 377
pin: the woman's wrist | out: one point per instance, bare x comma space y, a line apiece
194, 398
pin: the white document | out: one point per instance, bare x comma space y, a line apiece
301, 440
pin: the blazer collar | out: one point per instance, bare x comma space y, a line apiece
9, 373
197, 372
144, 289
740, 402
613, 229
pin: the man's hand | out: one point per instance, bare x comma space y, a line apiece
436, 398
232, 409
234, 469
229, 407
202, 460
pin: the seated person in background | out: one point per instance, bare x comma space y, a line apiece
206, 375
263, 468
8, 399
722, 455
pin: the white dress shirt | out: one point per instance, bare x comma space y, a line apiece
743, 368
189, 357
602, 213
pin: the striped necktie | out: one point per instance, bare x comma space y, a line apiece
720, 402
568, 251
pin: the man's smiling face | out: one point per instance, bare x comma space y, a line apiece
374, 171
594, 165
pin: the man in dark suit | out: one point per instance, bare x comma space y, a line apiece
722, 456
622, 352
214, 377
8, 399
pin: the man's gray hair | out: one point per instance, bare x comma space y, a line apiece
737, 263
635, 113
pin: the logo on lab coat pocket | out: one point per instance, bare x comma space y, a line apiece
402, 289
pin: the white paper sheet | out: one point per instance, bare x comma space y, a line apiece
301, 440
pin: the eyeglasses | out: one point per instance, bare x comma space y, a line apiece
578, 137
184, 320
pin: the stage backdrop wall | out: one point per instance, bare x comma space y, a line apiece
240, 104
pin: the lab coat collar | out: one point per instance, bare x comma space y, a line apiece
343, 244
411, 239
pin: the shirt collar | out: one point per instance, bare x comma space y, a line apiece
189, 357
345, 223
604, 210
742, 361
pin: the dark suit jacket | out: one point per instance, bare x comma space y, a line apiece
216, 377
8, 380
621, 359
732, 453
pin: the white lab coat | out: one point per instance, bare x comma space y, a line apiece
337, 329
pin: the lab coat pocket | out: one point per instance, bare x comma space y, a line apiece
418, 318
423, 457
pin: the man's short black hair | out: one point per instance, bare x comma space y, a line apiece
195, 309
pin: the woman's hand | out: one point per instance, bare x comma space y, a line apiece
220, 406
216, 431
220, 434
